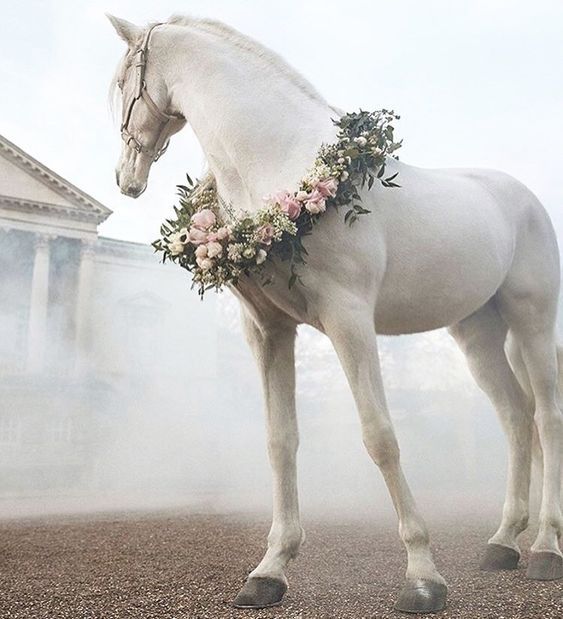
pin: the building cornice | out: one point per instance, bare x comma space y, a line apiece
58, 210
86, 207
125, 249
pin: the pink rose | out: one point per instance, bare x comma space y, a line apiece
214, 250
288, 204
316, 203
327, 187
197, 236
223, 233
204, 219
265, 234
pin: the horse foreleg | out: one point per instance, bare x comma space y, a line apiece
273, 347
352, 333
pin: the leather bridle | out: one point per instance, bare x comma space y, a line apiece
141, 92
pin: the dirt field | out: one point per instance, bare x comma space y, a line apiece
186, 566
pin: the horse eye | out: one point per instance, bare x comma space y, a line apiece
120, 84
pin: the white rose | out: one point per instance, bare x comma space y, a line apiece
204, 263
344, 176
301, 195
214, 249
261, 256
201, 251
315, 207
175, 245
361, 141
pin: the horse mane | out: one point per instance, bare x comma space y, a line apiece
250, 45
234, 37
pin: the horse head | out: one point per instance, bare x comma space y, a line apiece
149, 117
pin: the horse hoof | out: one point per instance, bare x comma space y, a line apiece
260, 592
499, 557
422, 596
545, 566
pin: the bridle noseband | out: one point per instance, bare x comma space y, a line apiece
141, 93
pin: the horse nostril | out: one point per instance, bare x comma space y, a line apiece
117, 177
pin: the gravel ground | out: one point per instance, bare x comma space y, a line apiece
191, 566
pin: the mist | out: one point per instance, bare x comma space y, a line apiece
162, 407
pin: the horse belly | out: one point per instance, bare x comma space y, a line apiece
445, 259
440, 305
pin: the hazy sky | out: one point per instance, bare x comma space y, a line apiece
478, 83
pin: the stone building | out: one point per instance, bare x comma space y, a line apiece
93, 335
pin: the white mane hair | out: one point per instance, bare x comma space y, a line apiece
250, 45
233, 36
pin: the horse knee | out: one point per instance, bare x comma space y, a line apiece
381, 444
283, 447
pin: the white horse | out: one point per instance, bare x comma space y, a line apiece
471, 250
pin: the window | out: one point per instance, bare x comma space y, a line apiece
61, 430
10, 429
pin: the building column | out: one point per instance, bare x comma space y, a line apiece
37, 326
83, 303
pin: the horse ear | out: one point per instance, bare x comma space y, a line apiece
126, 30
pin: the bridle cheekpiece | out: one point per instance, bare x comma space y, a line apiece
141, 93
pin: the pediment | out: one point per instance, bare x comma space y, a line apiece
27, 184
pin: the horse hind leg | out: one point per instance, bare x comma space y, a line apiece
518, 366
528, 303
481, 337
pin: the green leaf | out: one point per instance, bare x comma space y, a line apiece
292, 280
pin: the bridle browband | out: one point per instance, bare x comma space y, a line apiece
141, 93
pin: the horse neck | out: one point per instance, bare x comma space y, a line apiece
259, 128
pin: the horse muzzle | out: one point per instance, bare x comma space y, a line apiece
129, 186
133, 190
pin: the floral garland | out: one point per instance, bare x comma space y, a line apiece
218, 252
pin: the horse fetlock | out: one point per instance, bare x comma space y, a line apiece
286, 542
414, 534
552, 521
548, 536
514, 523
